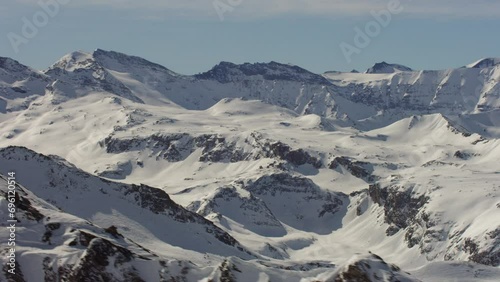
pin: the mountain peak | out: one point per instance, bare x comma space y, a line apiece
104, 59
74, 60
385, 67
12, 65
226, 72
112, 60
484, 63
19, 76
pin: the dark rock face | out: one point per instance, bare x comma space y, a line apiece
258, 217
50, 273
215, 148
19, 90
31, 212
102, 56
48, 231
162, 145
17, 277
113, 231
402, 96
305, 193
372, 96
281, 182
228, 72
463, 155
400, 208
295, 157
384, 67
24, 204
14, 66
353, 273
460, 155
403, 210
3, 62
92, 266
156, 200
226, 272
457, 129
116, 171
358, 169
371, 268
159, 202
177, 147
392, 230
100, 260
263, 211
489, 255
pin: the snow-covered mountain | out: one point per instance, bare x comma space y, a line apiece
19, 85
384, 67
452, 92
128, 171
378, 97
485, 63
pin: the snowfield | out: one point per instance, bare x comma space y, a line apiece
128, 171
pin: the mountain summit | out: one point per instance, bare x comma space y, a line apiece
226, 72
106, 59
384, 67
485, 63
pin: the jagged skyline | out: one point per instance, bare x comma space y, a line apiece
193, 40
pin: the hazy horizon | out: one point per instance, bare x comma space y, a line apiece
189, 38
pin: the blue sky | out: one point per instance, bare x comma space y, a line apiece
189, 37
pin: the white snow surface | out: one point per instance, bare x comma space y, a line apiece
255, 172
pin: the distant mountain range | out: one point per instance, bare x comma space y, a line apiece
129, 171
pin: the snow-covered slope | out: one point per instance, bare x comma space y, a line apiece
79, 73
106, 204
263, 172
19, 85
402, 94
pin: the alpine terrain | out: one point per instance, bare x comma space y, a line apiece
124, 170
